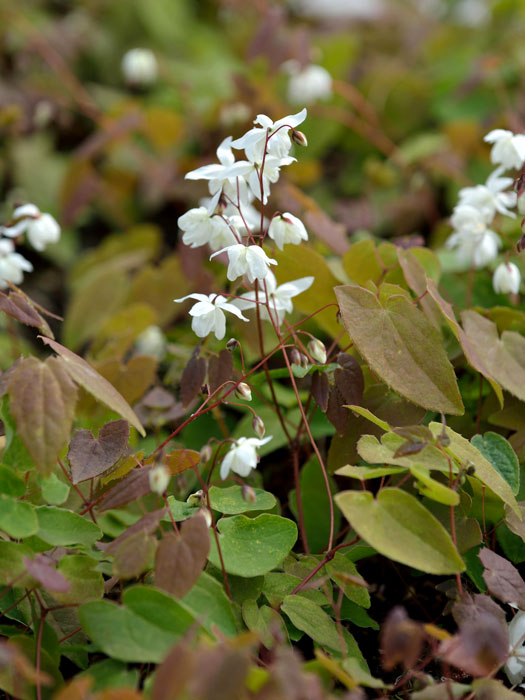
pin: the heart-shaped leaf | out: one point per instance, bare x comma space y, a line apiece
401, 528
89, 456
181, 558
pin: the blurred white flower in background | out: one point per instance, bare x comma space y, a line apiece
477, 250
508, 148
152, 341
40, 229
307, 84
12, 265
339, 9
139, 67
208, 314
159, 479
506, 279
491, 197
515, 666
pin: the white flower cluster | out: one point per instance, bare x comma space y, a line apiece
474, 241
40, 230
515, 666
229, 224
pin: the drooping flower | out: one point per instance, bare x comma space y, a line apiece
200, 228
287, 228
242, 456
506, 279
272, 135
515, 666
139, 67
279, 298
41, 229
208, 314
307, 84
491, 197
250, 260
508, 148
12, 265
469, 220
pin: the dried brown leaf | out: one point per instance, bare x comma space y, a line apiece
320, 390
192, 379
220, 369
502, 578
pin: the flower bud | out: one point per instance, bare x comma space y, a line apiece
139, 67
196, 500
243, 391
206, 515
506, 279
521, 204
295, 357
206, 453
317, 351
248, 494
232, 344
258, 426
298, 138
159, 478
305, 362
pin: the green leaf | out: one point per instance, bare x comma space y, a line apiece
342, 571
17, 518
12, 555
61, 527
400, 528
402, 347
208, 601
316, 505
230, 500
253, 546
278, 585
93, 382
435, 490
366, 413
54, 491
15, 454
312, 619
86, 582
375, 452
42, 401
179, 510
357, 615
468, 454
10, 483
500, 454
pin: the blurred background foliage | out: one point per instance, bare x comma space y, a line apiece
416, 85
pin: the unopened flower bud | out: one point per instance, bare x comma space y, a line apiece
305, 362
471, 470
295, 357
258, 426
139, 67
206, 453
205, 513
444, 439
298, 137
232, 344
243, 391
506, 279
248, 494
317, 351
521, 204
195, 500
159, 478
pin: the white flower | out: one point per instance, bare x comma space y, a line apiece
274, 135
490, 198
279, 297
250, 260
152, 341
508, 148
202, 229
12, 265
139, 67
159, 478
251, 172
242, 457
208, 314
220, 179
287, 228
515, 666
307, 84
478, 250
41, 229
468, 220
506, 279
